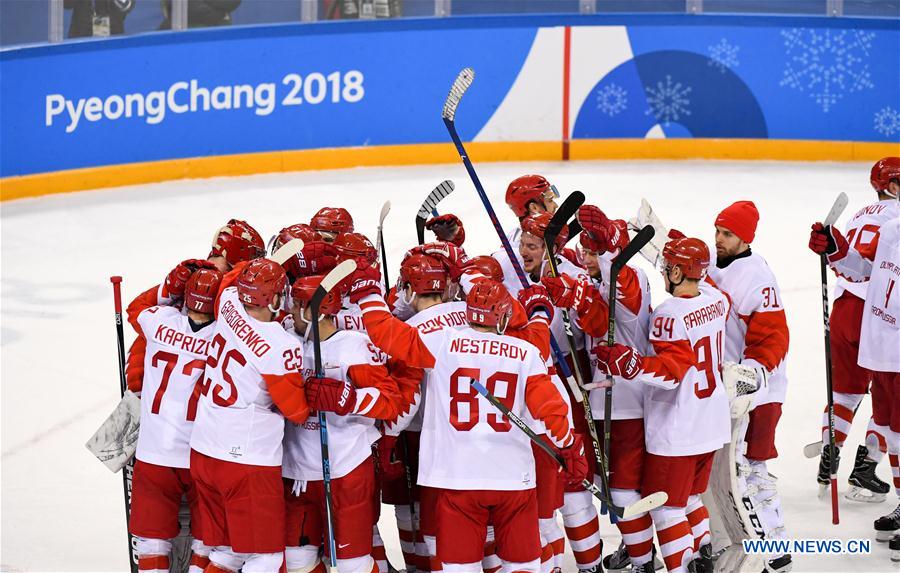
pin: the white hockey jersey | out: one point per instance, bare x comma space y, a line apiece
862, 233
686, 408
174, 362
237, 420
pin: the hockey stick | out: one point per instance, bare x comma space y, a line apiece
839, 205
429, 207
330, 280
286, 251
457, 90
128, 470
379, 244
644, 504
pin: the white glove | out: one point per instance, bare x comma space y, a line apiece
741, 383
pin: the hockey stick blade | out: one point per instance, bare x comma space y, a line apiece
637, 243
564, 213
839, 205
385, 209
457, 91
645, 504
429, 206
574, 229
812, 450
336, 275
287, 251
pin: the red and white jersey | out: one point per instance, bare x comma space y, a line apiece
514, 285
880, 335
429, 321
757, 332
349, 317
460, 429
174, 361
686, 408
861, 233
346, 355
632, 328
237, 420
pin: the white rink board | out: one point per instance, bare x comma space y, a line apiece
63, 511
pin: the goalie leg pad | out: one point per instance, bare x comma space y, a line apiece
761, 489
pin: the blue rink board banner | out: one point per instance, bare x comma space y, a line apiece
292, 87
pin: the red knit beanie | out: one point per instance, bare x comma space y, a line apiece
740, 218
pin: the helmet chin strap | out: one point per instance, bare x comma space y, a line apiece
503, 323
671, 288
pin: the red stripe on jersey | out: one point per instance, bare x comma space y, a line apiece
545, 404
287, 391
767, 338
672, 361
394, 336
388, 402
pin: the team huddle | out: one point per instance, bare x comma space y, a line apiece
469, 395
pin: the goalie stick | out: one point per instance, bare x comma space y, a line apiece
128, 471
457, 90
429, 206
642, 505
329, 282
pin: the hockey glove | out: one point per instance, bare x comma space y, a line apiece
567, 292
602, 234
390, 462
741, 382
453, 257
316, 258
330, 395
534, 299
828, 241
363, 282
447, 228
178, 277
676, 234
576, 468
618, 360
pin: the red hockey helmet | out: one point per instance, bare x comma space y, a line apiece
305, 287
237, 241
536, 224
489, 267
334, 220
690, 254
425, 274
260, 282
355, 246
201, 290
883, 171
299, 231
525, 189
487, 303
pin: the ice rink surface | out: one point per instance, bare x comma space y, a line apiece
63, 511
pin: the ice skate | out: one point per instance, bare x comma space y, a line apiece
895, 548
704, 561
781, 564
824, 476
865, 486
886, 526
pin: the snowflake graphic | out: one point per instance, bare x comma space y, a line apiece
887, 121
827, 64
668, 101
612, 100
723, 55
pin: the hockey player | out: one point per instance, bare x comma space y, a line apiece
316, 258
457, 424
331, 222
362, 393
601, 240
880, 330
529, 195
686, 410
253, 383
174, 359
850, 380
757, 337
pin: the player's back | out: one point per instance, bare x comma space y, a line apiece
466, 443
693, 417
174, 363
881, 317
861, 233
237, 420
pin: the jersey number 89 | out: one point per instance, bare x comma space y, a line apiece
464, 403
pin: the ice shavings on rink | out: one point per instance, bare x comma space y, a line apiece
62, 510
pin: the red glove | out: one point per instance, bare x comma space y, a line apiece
828, 241
447, 228
576, 469
566, 292
365, 281
178, 277
390, 462
618, 360
603, 235
676, 234
316, 258
453, 257
330, 395
535, 298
